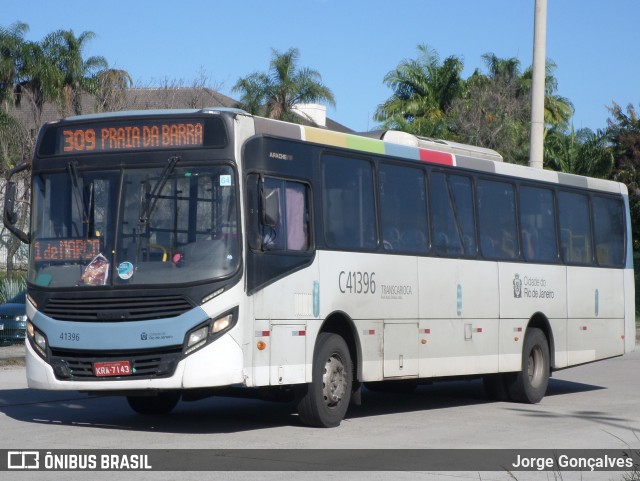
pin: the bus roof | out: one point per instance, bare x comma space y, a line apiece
408, 146
145, 113
389, 142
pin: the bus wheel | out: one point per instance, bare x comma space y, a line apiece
163, 403
324, 401
530, 384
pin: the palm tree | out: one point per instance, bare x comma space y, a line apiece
623, 130
276, 93
423, 90
583, 152
503, 69
38, 80
494, 110
111, 85
14, 138
558, 110
11, 45
75, 73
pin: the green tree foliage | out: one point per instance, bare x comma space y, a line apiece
11, 58
38, 81
423, 90
52, 70
14, 139
490, 109
584, 152
75, 74
495, 110
623, 130
558, 110
276, 93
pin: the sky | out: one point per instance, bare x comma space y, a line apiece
353, 44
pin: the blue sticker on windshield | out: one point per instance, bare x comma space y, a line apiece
125, 270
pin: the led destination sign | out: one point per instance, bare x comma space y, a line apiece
118, 136
65, 249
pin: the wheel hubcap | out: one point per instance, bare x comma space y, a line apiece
334, 381
535, 366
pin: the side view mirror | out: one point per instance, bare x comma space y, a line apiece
10, 215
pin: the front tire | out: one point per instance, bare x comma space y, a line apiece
324, 401
530, 384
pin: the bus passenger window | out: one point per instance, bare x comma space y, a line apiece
575, 228
348, 203
609, 228
462, 194
403, 209
538, 224
452, 215
497, 220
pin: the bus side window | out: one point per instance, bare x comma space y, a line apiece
609, 228
537, 224
575, 228
403, 209
497, 220
447, 239
348, 203
454, 232
462, 194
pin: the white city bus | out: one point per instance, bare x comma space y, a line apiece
180, 254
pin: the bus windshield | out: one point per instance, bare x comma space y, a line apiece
135, 226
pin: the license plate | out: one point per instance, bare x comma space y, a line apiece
113, 368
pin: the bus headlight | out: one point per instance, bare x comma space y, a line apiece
197, 338
221, 323
37, 339
206, 333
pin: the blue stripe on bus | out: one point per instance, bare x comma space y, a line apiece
404, 151
126, 335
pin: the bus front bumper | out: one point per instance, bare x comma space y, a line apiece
217, 364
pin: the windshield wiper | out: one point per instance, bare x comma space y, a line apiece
152, 197
75, 187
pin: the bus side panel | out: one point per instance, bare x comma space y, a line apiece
595, 300
287, 353
459, 326
368, 286
380, 294
630, 311
527, 289
285, 326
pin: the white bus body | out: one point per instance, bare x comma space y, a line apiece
380, 315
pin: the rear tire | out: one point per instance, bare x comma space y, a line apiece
163, 403
530, 384
324, 401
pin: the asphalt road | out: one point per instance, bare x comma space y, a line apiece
587, 407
